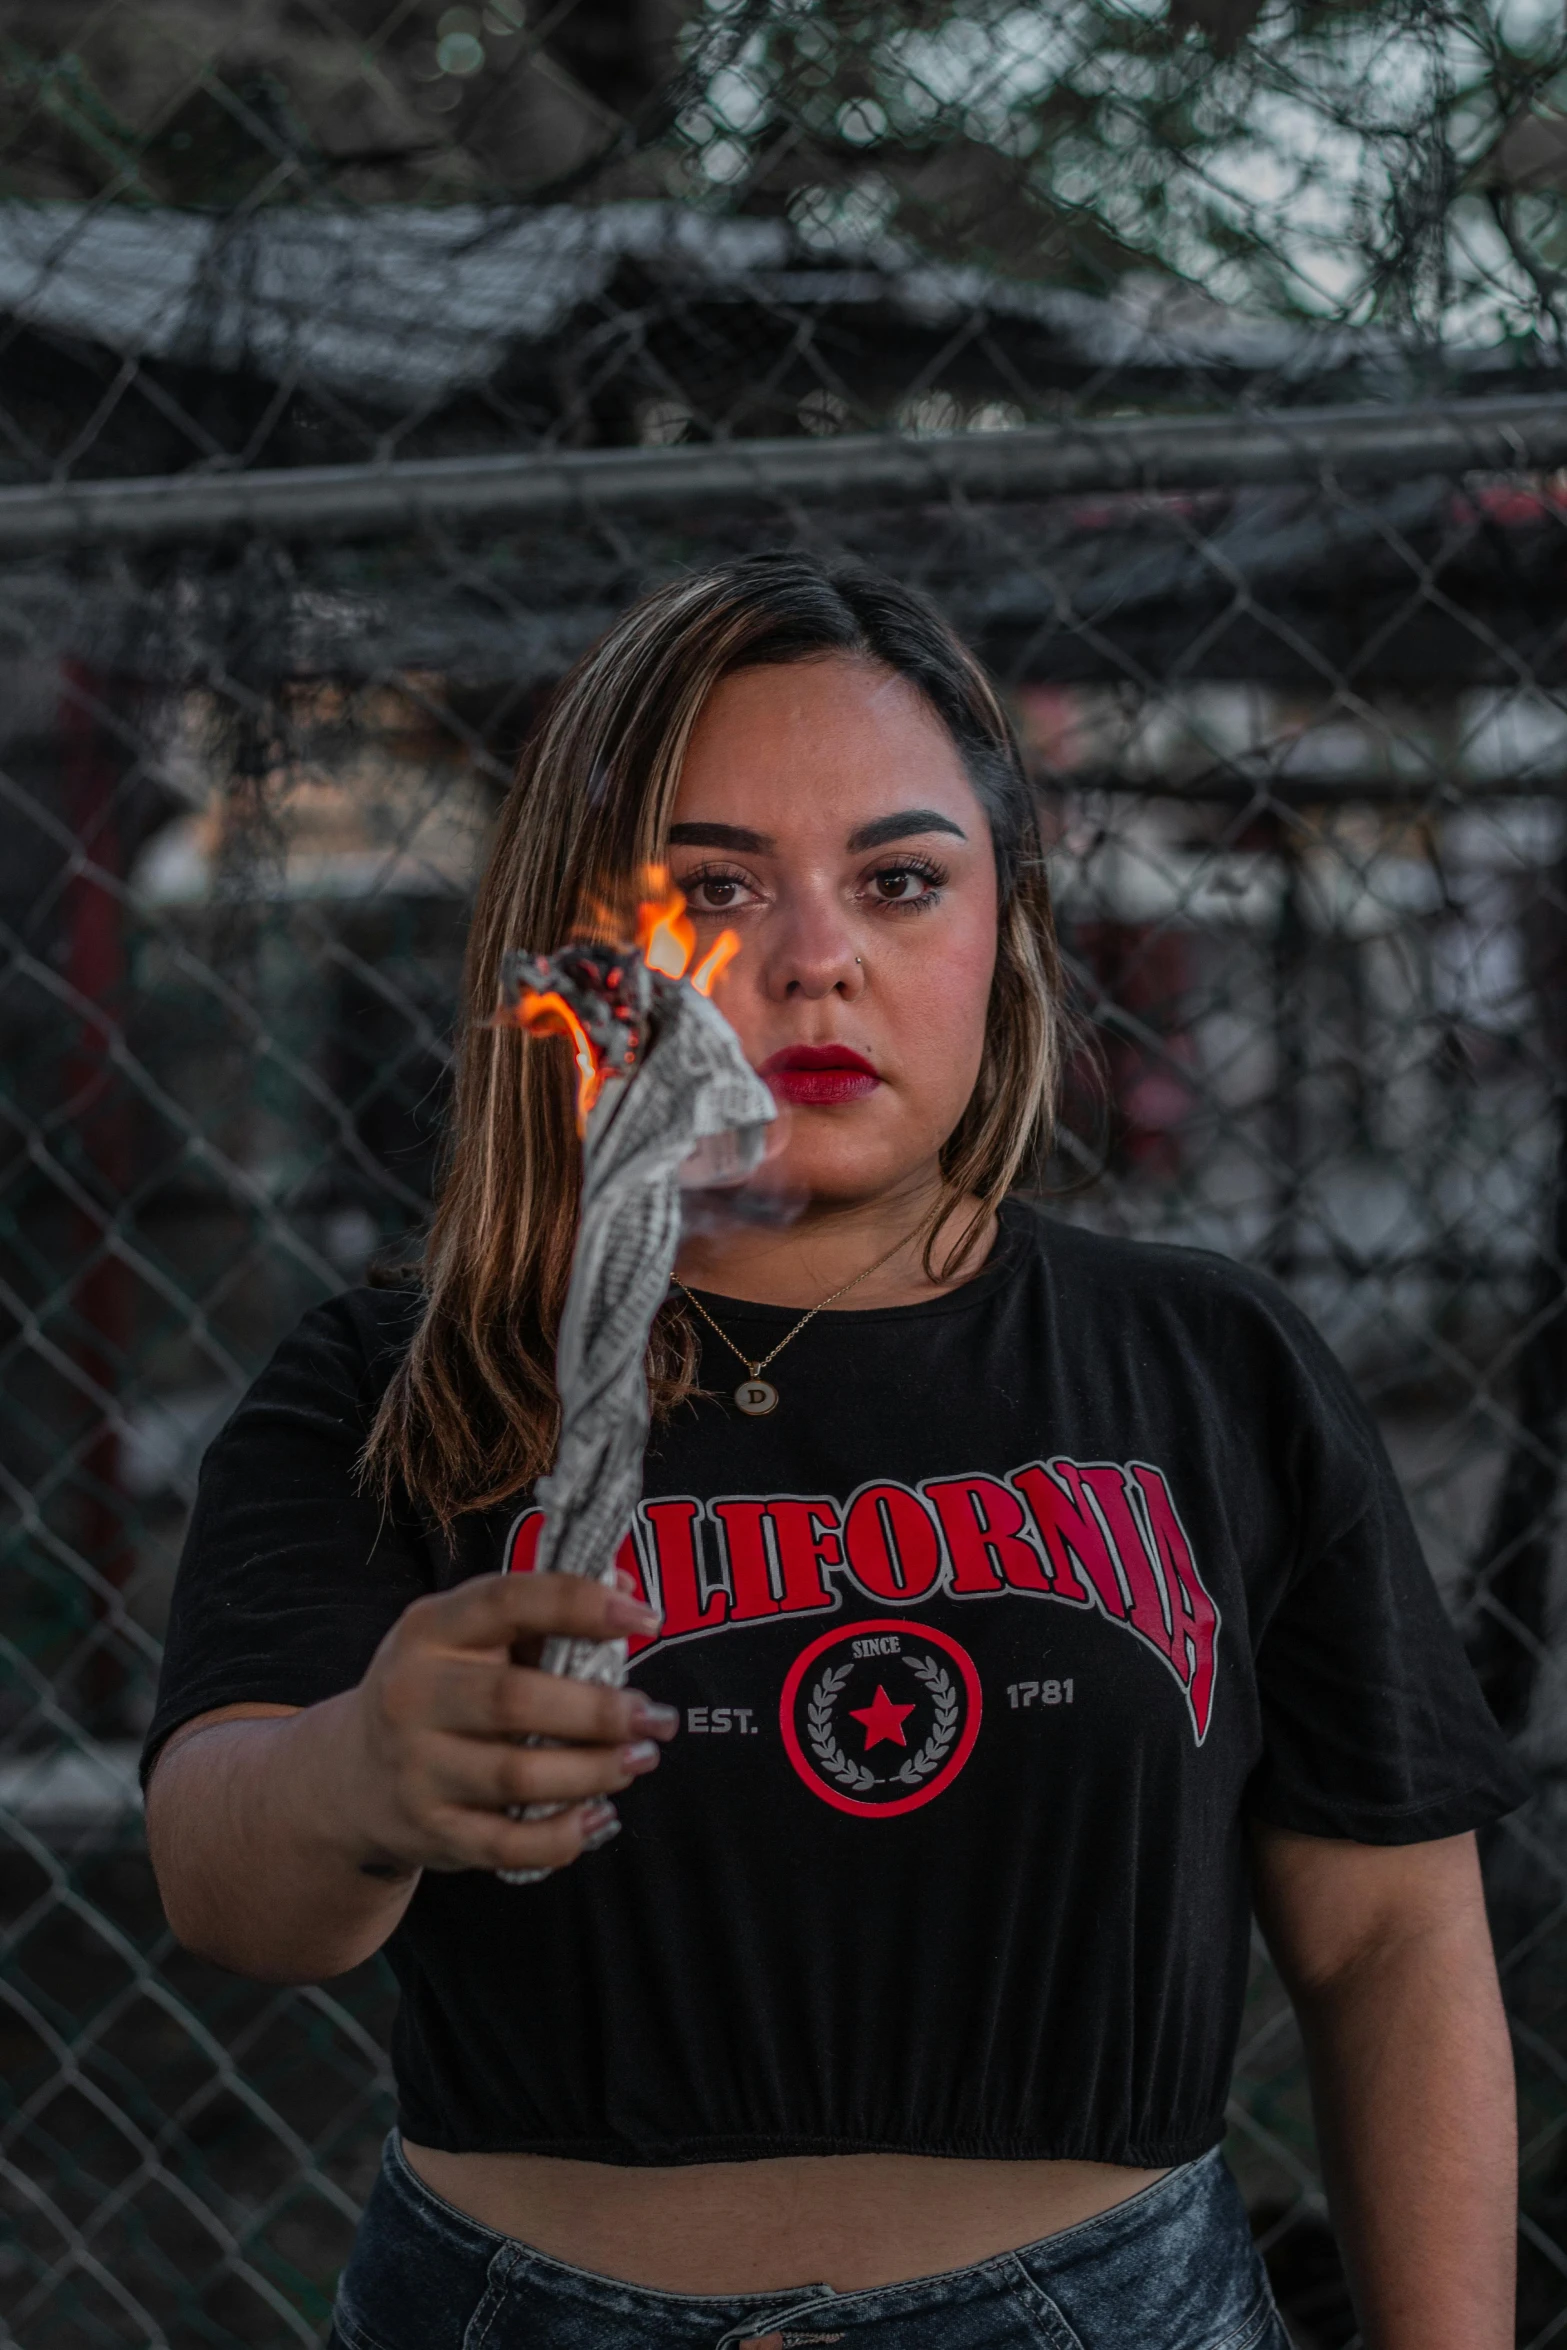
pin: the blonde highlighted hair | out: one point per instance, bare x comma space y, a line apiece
470, 1418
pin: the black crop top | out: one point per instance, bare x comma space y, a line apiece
985, 1643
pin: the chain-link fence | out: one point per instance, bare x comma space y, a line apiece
360, 361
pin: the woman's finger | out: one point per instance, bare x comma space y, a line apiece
492, 1610
489, 1840
481, 1697
473, 1773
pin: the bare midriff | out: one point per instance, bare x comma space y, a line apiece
849, 2221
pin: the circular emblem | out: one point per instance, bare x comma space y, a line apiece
756, 1396
880, 1717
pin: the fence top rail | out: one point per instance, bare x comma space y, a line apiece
1381, 443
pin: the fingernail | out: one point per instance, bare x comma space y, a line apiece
659, 1721
625, 1614
600, 1823
640, 1757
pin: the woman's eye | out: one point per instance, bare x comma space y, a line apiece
713, 893
898, 885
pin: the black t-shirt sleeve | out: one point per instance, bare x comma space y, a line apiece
1374, 1727
291, 1575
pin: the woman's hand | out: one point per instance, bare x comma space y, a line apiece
287, 1842
435, 1742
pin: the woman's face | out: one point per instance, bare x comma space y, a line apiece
824, 814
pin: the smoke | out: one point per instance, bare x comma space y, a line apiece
719, 1192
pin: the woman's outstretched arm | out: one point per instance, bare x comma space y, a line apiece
1386, 1953
287, 1843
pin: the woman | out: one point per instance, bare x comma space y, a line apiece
887, 1985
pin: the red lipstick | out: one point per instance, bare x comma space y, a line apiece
814, 1076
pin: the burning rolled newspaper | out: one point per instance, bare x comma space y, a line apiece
666, 1104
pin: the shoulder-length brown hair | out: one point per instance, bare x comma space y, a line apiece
470, 1418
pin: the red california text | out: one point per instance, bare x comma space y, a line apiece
1101, 1535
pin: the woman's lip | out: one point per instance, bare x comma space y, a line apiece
816, 1056
816, 1075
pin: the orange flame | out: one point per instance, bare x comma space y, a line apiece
551, 1015
666, 939
716, 961
665, 933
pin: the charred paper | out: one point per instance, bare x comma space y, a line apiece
663, 1086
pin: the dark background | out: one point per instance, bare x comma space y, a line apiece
1301, 748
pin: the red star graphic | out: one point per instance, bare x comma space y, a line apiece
882, 1719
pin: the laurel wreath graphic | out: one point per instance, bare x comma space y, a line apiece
944, 1697
825, 1747
856, 1776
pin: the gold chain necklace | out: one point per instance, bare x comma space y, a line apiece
758, 1396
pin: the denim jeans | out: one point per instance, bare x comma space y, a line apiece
1172, 2269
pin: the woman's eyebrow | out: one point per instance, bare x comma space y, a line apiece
722, 836
741, 840
903, 826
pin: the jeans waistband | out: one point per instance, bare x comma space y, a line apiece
1183, 2241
